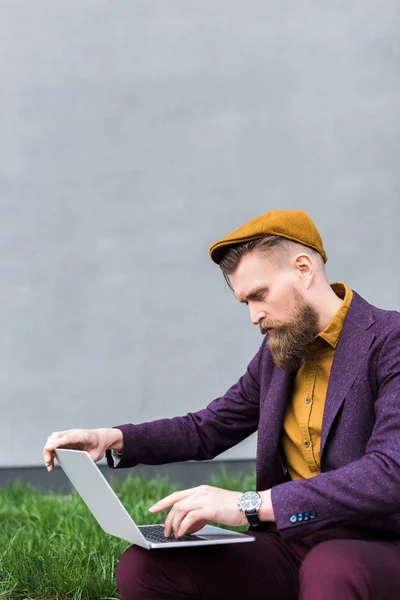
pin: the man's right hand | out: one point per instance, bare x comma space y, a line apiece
94, 441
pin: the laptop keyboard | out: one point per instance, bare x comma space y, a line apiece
155, 534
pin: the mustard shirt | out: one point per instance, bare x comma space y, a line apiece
302, 426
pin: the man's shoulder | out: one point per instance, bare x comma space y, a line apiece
381, 321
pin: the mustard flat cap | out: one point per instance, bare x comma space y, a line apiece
294, 225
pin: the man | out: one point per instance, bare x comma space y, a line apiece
323, 391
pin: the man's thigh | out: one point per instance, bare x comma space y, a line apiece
261, 569
351, 569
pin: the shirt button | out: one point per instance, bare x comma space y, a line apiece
311, 359
308, 400
306, 443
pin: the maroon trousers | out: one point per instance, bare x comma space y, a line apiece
330, 565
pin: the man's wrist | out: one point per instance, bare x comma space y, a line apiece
266, 510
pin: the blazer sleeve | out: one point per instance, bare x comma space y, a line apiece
196, 436
362, 490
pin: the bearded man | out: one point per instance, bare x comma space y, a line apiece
323, 391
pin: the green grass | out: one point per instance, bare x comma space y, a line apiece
51, 547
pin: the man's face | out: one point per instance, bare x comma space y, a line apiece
277, 305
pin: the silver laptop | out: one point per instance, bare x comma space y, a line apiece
113, 517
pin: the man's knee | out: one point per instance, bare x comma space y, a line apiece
332, 568
155, 574
131, 572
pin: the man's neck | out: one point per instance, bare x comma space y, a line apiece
328, 305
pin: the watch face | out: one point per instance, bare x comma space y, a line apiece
249, 500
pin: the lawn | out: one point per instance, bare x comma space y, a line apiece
52, 547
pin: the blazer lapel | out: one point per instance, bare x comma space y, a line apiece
271, 420
278, 396
352, 348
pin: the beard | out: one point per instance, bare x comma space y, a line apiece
289, 341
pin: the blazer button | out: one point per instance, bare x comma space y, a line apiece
313, 514
293, 519
306, 516
300, 517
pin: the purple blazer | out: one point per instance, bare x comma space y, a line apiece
359, 483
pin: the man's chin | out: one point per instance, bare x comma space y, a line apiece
287, 360
291, 365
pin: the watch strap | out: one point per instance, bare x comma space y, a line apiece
252, 517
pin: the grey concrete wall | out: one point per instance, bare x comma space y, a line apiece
135, 133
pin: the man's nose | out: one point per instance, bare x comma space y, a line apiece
256, 315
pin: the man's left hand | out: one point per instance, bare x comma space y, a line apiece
192, 509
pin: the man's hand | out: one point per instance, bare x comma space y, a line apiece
194, 508
94, 441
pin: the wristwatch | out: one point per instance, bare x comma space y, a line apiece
249, 503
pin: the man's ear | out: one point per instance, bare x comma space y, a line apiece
304, 267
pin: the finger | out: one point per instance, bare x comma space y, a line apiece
65, 439
193, 521
54, 443
53, 440
177, 519
196, 526
61, 439
182, 509
48, 460
49, 446
168, 501
168, 523
178, 512
171, 500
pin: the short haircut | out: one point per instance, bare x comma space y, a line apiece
275, 247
